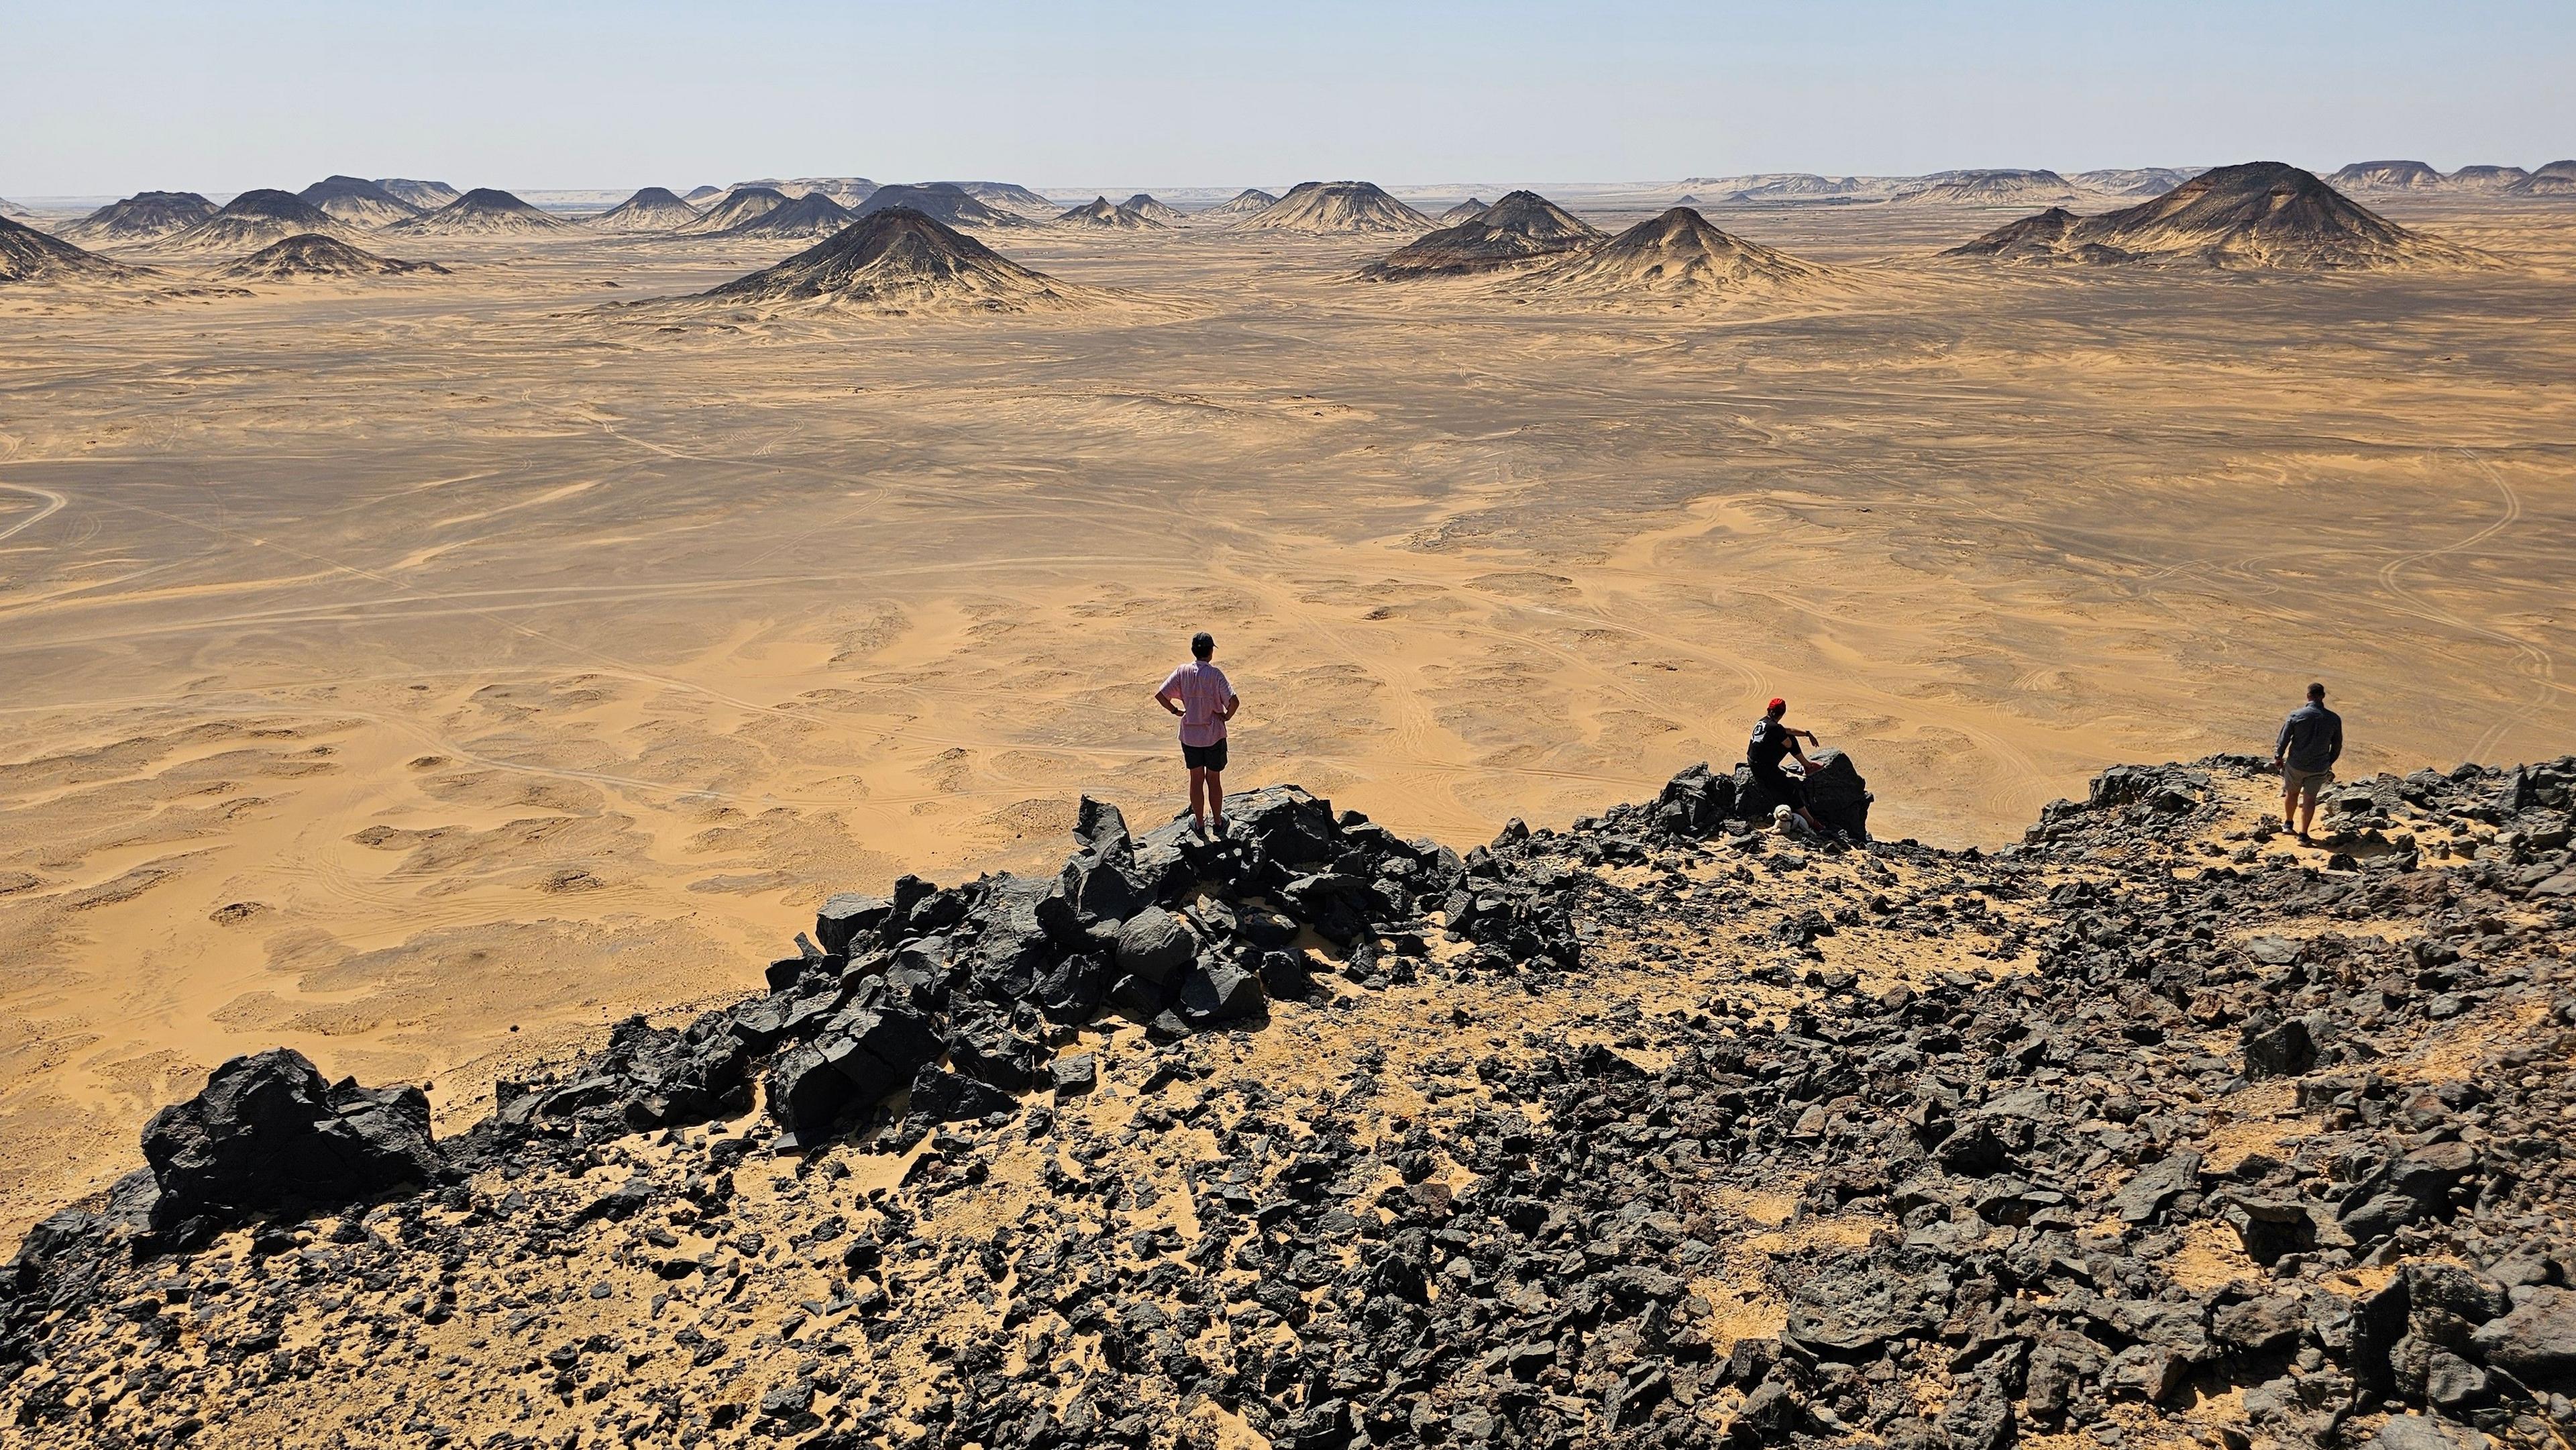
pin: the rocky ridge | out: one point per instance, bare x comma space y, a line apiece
1659, 1130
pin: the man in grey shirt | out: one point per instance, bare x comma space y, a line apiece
2311, 741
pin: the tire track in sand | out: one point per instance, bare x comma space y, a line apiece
2530, 660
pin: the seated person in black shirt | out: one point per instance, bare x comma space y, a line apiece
1771, 740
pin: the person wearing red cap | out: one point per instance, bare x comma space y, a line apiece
1771, 740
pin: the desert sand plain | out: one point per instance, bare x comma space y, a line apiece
397, 669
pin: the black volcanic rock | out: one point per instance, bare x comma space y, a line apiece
1516, 1197
268, 1135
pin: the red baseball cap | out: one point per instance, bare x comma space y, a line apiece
1779, 704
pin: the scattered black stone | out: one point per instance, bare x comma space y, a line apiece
2034, 1143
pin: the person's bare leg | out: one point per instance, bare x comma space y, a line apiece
2289, 806
1198, 798
2307, 814
1216, 797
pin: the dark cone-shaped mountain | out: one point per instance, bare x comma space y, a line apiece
311, 258
900, 261
1465, 211
810, 215
2263, 214
1336, 207
736, 209
253, 220
1522, 227
1144, 205
483, 212
142, 217
358, 202
1102, 214
1247, 202
30, 256
941, 201
1674, 260
654, 209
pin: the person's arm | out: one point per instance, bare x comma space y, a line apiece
1169, 698
1233, 702
2281, 747
2334, 745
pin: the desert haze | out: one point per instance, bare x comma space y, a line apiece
405, 661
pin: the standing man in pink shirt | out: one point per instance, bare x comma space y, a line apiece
1199, 693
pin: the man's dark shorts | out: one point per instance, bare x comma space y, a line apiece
1204, 757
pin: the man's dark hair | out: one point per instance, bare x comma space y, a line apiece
1203, 644
2316, 691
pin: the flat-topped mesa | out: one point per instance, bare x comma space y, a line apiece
1730, 1129
427, 195
2558, 178
2387, 176
1990, 188
2259, 215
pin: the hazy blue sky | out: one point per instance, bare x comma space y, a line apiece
110, 97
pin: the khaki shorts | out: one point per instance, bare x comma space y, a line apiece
2303, 785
